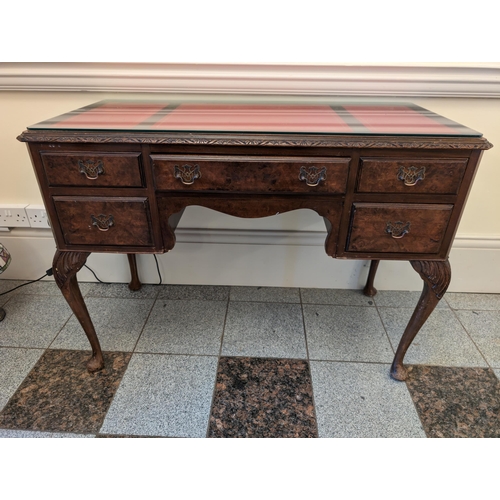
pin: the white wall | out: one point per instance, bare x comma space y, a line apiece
279, 251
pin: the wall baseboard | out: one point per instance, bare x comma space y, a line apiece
259, 258
391, 80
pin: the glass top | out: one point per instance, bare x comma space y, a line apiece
331, 118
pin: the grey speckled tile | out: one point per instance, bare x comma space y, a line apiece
476, 301
162, 395
265, 294
33, 320
359, 400
120, 291
497, 373
193, 292
265, 330
118, 323
4, 299
7, 433
344, 333
441, 341
335, 297
484, 328
397, 298
184, 327
15, 364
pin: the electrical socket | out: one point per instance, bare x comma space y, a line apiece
13, 216
37, 216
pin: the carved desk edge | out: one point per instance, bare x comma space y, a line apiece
251, 139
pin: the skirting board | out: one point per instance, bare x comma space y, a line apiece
385, 79
258, 258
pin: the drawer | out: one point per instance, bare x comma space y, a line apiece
250, 174
96, 170
104, 221
400, 228
424, 176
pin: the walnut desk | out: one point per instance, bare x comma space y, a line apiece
390, 180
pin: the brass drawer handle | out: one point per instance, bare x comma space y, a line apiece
312, 175
411, 175
397, 229
102, 222
91, 169
187, 173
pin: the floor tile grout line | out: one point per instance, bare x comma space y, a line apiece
116, 391
304, 324
62, 328
145, 322
470, 337
383, 325
130, 359
309, 363
394, 352
214, 390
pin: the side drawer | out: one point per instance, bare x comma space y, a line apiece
392, 175
104, 221
250, 174
96, 170
400, 228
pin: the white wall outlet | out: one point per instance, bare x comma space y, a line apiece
37, 216
13, 216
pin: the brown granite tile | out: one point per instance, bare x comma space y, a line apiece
60, 395
257, 397
456, 402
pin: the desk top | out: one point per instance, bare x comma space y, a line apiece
344, 117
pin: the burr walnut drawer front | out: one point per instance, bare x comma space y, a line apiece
104, 221
398, 228
96, 170
422, 176
247, 174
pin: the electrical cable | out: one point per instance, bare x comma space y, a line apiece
158, 269
48, 273
95, 275
107, 283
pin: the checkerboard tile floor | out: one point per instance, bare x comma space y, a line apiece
209, 361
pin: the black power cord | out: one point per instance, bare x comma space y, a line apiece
95, 275
108, 283
47, 273
157, 268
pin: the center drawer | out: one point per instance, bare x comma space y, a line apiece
250, 174
104, 221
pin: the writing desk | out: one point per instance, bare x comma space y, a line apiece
390, 181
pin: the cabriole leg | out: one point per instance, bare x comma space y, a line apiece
436, 276
134, 284
370, 290
65, 266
